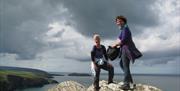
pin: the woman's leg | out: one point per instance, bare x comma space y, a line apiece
121, 65
127, 74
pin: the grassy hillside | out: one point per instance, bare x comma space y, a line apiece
19, 70
15, 78
24, 74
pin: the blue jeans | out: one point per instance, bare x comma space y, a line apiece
124, 64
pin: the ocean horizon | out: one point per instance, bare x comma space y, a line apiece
140, 74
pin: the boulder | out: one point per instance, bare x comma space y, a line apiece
68, 86
74, 86
116, 87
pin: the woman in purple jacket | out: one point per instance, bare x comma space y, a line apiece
129, 52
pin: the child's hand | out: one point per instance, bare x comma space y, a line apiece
109, 65
95, 65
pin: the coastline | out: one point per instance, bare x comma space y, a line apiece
12, 78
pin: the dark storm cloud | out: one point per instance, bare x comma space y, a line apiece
173, 52
23, 23
97, 16
160, 57
163, 60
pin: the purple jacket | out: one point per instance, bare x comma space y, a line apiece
127, 45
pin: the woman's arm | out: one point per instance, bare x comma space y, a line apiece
116, 43
125, 36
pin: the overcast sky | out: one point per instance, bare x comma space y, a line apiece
56, 35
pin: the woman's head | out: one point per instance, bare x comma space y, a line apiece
121, 20
97, 39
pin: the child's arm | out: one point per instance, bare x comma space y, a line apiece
93, 58
93, 54
105, 53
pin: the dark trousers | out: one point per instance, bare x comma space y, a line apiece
106, 67
124, 64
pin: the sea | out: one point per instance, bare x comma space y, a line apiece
163, 82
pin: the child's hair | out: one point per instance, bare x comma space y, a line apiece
96, 36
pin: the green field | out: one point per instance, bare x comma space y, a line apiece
24, 74
12, 78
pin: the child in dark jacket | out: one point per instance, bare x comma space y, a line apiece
100, 61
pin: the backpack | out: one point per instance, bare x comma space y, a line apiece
113, 53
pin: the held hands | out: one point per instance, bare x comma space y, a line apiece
116, 43
113, 45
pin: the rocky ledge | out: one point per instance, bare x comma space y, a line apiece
74, 86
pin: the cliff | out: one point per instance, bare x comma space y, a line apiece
18, 78
74, 86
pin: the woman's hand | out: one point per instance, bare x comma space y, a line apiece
116, 43
113, 46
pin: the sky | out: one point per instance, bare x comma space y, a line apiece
56, 35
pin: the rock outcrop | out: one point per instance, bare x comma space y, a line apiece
116, 87
74, 86
68, 86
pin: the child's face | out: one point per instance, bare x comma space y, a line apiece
97, 41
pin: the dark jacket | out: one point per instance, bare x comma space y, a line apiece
127, 45
98, 53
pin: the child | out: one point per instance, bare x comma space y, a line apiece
100, 61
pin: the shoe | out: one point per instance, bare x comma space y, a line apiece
132, 85
110, 82
125, 87
96, 88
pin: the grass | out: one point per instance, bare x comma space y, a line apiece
29, 76
24, 74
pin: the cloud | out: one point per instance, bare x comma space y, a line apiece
98, 16
163, 53
24, 23
57, 31
27, 24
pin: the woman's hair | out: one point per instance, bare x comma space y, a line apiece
122, 18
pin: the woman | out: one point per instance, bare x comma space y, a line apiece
128, 50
